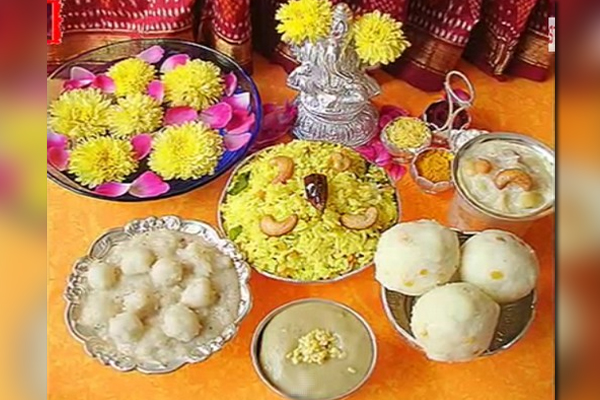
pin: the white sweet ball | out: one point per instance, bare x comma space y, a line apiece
141, 301
414, 257
199, 257
164, 243
101, 275
199, 293
500, 264
136, 260
166, 272
125, 328
97, 309
181, 323
455, 322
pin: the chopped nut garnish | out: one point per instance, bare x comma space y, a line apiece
315, 347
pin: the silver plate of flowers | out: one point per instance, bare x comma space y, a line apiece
104, 350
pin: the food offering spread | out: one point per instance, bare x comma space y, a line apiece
453, 302
142, 127
161, 293
290, 199
314, 350
158, 294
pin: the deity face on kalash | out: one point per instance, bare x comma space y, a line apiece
330, 78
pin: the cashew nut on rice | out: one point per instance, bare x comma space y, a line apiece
361, 221
285, 165
340, 162
271, 227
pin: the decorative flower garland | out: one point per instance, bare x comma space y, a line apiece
183, 116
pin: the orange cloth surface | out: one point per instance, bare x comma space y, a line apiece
524, 372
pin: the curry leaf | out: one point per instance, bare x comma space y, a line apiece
240, 184
235, 232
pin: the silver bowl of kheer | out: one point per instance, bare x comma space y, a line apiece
314, 349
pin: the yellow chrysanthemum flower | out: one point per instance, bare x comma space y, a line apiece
131, 76
189, 151
379, 38
100, 160
134, 114
80, 114
196, 84
301, 20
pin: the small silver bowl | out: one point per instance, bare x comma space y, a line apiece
257, 342
105, 351
425, 184
402, 155
514, 322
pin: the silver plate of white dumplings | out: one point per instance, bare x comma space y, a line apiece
105, 351
515, 318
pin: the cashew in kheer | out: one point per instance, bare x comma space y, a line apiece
361, 221
285, 165
271, 227
513, 176
341, 162
482, 166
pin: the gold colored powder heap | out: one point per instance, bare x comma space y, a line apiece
434, 165
315, 347
408, 133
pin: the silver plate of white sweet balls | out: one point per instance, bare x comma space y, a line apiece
514, 319
105, 350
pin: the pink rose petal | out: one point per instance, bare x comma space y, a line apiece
58, 157
240, 101
152, 55
173, 62
142, 144
368, 152
147, 185
55, 140
217, 116
236, 142
75, 84
180, 115
240, 123
230, 80
396, 171
105, 84
156, 90
389, 113
82, 74
112, 189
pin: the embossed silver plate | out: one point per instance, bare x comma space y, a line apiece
515, 318
105, 351
273, 276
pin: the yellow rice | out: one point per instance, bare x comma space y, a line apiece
319, 247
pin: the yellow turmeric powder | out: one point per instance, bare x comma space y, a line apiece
434, 165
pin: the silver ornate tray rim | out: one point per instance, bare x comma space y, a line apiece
76, 288
408, 336
289, 280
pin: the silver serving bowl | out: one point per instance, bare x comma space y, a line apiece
515, 318
273, 276
257, 342
105, 351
